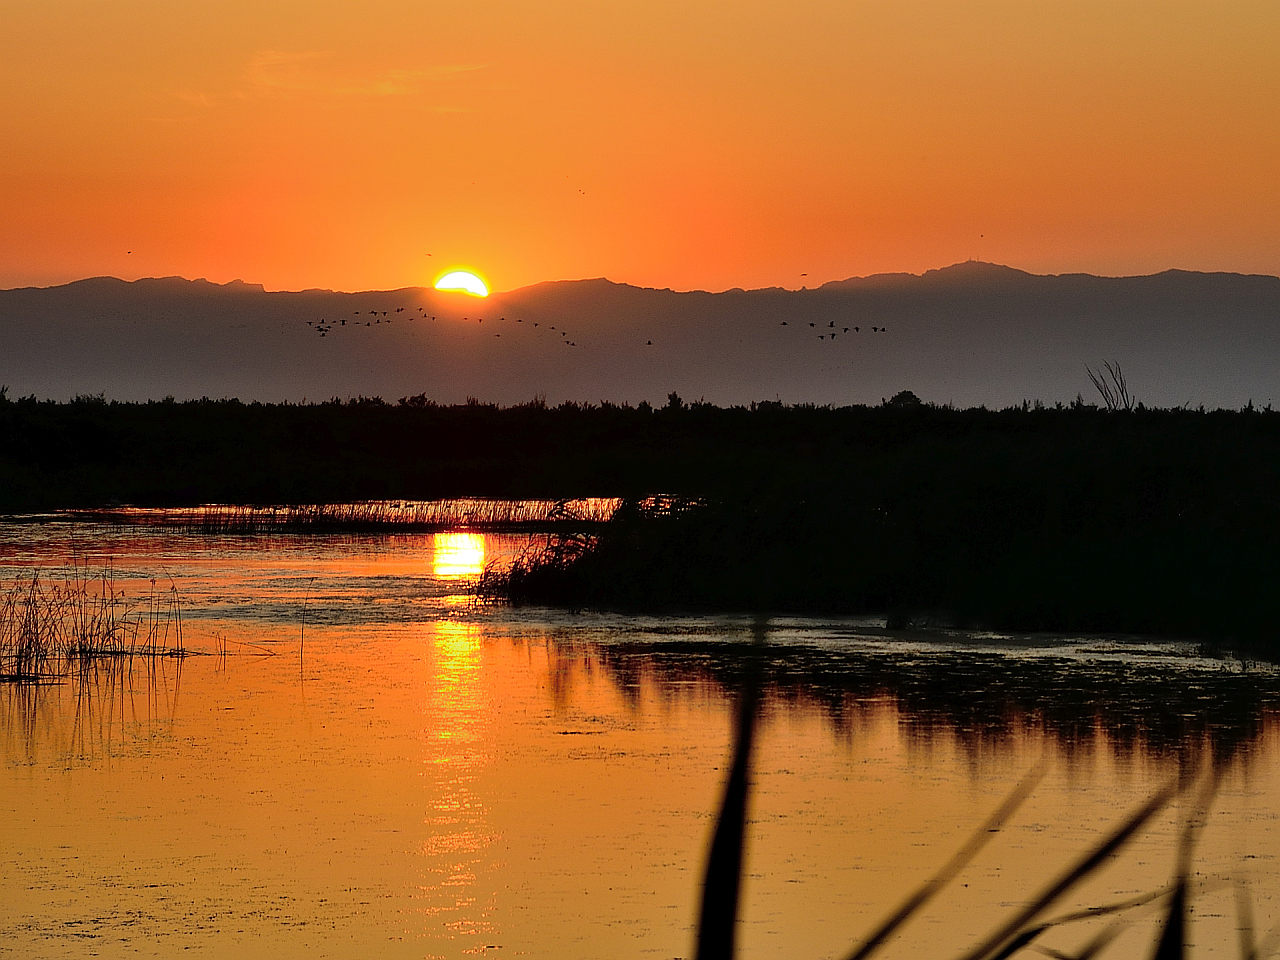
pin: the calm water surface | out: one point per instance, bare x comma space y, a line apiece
419, 776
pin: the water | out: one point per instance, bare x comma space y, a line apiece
362, 762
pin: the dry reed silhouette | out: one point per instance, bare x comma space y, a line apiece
371, 515
47, 627
1111, 385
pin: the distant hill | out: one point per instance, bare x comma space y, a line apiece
973, 333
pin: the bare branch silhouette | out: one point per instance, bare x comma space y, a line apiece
1113, 387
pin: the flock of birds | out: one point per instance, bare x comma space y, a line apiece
323, 327
832, 331
370, 318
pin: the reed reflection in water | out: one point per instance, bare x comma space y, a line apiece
96, 708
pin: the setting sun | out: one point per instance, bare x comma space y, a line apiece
463, 281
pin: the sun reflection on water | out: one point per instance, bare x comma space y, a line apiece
459, 555
458, 717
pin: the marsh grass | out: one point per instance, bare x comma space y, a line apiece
544, 571
49, 627
372, 515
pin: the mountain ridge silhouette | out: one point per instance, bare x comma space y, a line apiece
972, 333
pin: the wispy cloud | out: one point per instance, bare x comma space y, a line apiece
196, 98
280, 73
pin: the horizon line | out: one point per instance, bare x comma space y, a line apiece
623, 283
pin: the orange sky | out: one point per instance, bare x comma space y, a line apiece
689, 144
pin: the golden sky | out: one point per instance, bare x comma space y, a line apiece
689, 144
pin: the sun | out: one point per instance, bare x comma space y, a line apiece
463, 281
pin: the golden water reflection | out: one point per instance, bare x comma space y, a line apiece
457, 555
457, 715
503, 783
453, 788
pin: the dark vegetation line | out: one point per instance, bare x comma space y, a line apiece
91, 452
1055, 518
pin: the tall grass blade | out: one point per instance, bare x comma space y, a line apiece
1244, 921
1028, 935
1090, 949
722, 881
1079, 872
1172, 944
976, 842
1267, 947
1102, 940
302, 640
1023, 939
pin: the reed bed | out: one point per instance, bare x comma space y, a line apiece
48, 626
373, 515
